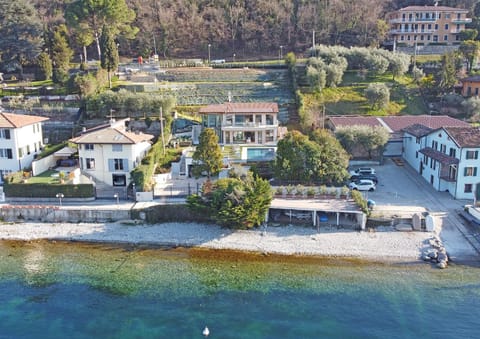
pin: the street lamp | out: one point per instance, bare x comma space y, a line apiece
60, 197
281, 52
116, 197
209, 45
233, 57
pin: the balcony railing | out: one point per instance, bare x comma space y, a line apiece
462, 21
249, 124
413, 31
401, 20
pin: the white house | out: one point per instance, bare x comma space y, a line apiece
447, 157
110, 152
21, 139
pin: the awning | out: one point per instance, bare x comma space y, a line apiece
439, 156
65, 152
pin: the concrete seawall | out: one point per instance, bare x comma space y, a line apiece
51, 213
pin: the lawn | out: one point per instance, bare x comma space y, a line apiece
45, 178
348, 98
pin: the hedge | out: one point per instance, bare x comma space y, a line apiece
170, 213
26, 190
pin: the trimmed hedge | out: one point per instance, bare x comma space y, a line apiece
26, 190
170, 213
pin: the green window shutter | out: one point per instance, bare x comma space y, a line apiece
111, 167
465, 172
474, 171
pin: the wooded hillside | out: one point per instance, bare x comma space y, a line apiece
244, 28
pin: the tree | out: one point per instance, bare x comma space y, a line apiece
109, 55
472, 108
208, 155
44, 63
468, 34
303, 160
364, 139
87, 18
447, 76
378, 95
240, 201
20, 34
399, 64
61, 54
469, 49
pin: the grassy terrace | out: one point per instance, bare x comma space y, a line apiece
348, 98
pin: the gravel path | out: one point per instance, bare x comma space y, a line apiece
383, 244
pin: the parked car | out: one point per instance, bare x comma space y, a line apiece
357, 177
362, 185
363, 170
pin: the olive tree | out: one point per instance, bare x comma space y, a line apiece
366, 139
378, 95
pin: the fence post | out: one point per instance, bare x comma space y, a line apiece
189, 189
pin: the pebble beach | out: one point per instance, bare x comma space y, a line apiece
383, 244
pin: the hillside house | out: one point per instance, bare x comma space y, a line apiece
110, 152
21, 140
471, 86
427, 25
447, 157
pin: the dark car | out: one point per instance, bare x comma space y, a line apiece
357, 177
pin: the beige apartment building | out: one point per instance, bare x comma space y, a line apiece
427, 25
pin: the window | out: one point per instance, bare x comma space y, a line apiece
453, 152
117, 147
118, 164
416, 155
402, 38
20, 152
436, 27
429, 37
5, 133
90, 163
443, 149
435, 38
447, 16
445, 38
434, 144
470, 171
88, 147
468, 188
472, 154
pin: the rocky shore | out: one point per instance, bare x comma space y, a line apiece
383, 244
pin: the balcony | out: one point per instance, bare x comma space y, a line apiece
412, 20
412, 31
462, 21
247, 125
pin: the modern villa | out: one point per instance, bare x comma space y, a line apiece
108, 153
243, 123
21, 140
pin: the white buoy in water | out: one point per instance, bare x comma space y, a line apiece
206, 331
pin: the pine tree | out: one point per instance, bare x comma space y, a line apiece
208, 155
61, 54
109, 53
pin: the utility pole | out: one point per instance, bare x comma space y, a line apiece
313, 43
161, 129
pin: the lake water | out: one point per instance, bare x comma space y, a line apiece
58, 290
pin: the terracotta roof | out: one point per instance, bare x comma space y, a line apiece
11, 120
352, 120
417, 130
111, 135
244, 107
473, 78
432, 8
439, 156
464, 137
399, 122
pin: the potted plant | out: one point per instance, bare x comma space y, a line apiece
299, 191
310, 192
279, 191
290, 189
344, 192
322, 190
61, 177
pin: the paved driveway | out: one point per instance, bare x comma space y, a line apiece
402, 189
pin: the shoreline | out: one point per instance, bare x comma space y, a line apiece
383, 245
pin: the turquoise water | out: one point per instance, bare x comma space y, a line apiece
56, 290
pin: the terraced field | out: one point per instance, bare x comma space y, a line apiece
203, 86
